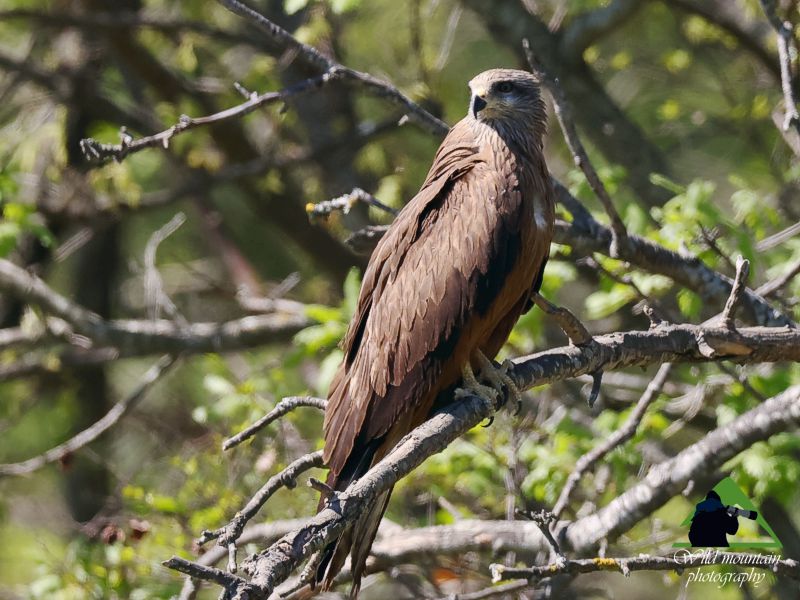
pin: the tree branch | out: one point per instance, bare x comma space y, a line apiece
287, 478
100, 153
312, 56
674, 343
617, 438
679, 562
669, 478
139, 337
785, 36
283, 407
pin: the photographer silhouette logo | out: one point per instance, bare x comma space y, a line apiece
727, 511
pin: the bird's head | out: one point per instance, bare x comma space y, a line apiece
505, 94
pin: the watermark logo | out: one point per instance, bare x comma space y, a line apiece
709, 556
727, 511
726, 519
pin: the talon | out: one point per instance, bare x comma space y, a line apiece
472, 387
498, 377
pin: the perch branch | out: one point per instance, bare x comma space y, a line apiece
675, 343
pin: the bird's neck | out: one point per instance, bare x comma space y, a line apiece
522, 138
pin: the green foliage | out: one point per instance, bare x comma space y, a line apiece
678, 77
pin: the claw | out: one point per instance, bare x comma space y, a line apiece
498, 377
473, 388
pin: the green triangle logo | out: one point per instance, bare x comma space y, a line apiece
732, 495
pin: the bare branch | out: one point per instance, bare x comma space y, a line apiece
91, 433
235, 587
739, 285
569, 323
564, 115
543, 520
283, 407
675, 343
785, 37
617, 438
669, 478
136, 338
679, 562
287, 478
774, 286
492, 591
312, 56
99, 153
346, 202
155, 295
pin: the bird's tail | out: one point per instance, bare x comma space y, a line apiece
357, 539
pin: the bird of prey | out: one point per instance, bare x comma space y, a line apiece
442, 290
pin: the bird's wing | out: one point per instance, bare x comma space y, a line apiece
426, 278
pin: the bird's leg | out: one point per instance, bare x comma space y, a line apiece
498, 377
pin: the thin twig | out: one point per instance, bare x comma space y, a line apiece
236, 587
739, 284
785, 37
312, 56
155, 295
543, 520
564, 115
228, 534
492, 591
99, 153
346, 202
616, 439
774, 286
283, 407
91, 433
570, 324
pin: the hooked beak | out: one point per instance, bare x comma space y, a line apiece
476, 105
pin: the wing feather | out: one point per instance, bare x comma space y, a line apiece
423, 280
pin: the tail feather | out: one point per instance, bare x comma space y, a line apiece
356, 539
364, 532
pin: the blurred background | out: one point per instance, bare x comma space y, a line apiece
676, 101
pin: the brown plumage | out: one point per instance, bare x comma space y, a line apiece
451, 276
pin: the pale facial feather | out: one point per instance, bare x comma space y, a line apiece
507, 93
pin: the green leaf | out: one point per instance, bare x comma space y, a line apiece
293, 6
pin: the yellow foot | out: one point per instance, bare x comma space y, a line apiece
498, 377
472, 387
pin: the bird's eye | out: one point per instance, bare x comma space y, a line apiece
505, 87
